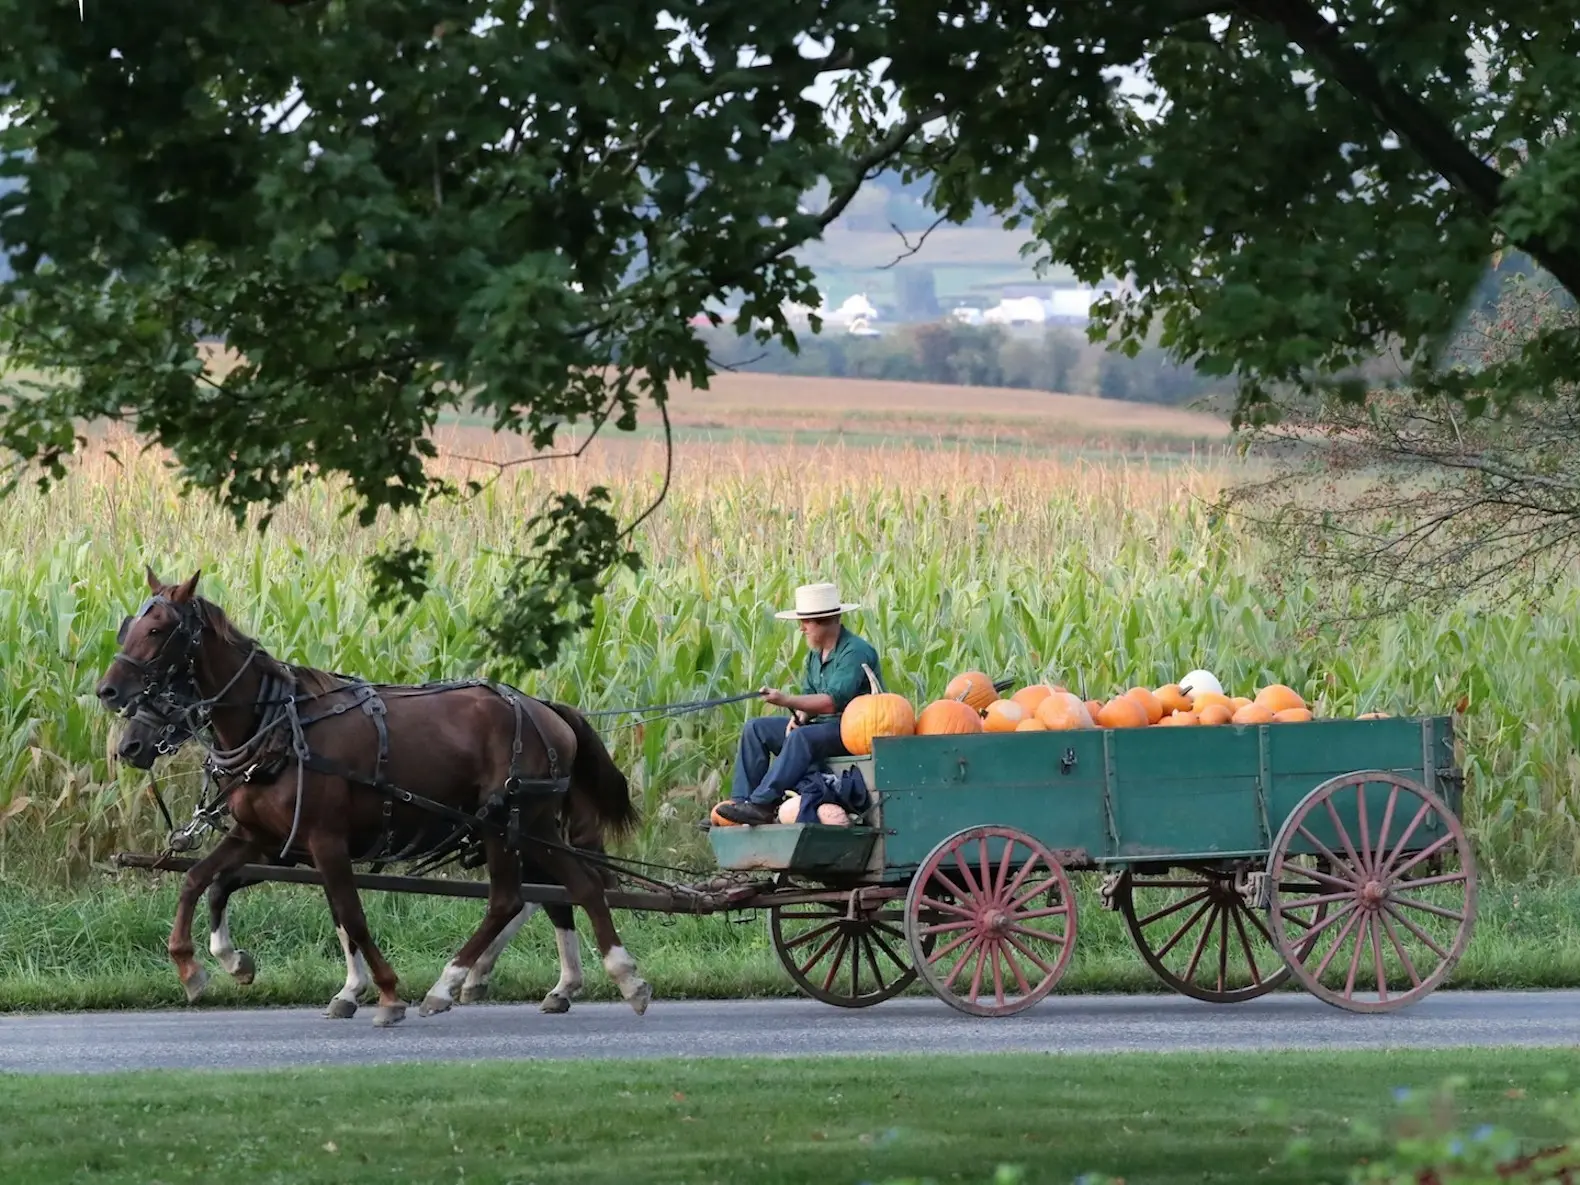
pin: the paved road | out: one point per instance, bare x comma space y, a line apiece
249, 1038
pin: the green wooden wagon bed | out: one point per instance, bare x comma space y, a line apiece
1240, 857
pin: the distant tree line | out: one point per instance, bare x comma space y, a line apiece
1056, 358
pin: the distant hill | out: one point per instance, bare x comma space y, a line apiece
877, 248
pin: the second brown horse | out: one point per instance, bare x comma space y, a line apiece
334, 769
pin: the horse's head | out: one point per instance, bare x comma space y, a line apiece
159, 648
160, 724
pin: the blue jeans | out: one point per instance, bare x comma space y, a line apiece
763, 737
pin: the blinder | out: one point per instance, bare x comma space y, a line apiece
160, 672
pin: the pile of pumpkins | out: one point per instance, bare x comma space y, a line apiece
971, 704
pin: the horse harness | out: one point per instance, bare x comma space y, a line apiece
171, 698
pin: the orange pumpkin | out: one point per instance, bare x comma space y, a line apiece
1061, 712
879, 713
1093, 707
719, 820
1123, 711
1275, 697
974, 688
1214, 713
1030, 697
1032, 725
1237, 702
1204, 698
1178, 720
1149, 703
1292, 715
1253, 714
947, 716
1003, 715
1172, 698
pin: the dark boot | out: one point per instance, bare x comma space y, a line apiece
746, 812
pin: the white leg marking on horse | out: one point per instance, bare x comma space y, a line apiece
570, 964
484, 967
442, 994
622, 969
357, 975
219, 944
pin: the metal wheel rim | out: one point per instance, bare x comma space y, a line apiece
868, 940
1246, 925
1393, 859
965, 918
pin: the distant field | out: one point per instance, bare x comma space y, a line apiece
966, 261
975, 246
797, 409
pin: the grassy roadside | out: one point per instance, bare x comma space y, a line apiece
105, 948
1300, 1117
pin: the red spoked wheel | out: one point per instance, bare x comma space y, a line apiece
1400, 901
996, 910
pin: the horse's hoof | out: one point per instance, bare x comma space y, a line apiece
389, 1014
641, 998
474, 993
341, 1008
555, 1003
195, 983
432, 1004
246, 970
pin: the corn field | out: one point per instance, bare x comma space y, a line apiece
1100, 575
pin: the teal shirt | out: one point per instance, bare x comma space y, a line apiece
840, 675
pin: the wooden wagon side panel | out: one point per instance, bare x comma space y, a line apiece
1051, 785
1302, 757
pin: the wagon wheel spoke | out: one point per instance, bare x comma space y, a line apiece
837, 962
1189, 925
817, 957
984, 970
949, 907
815, 932
1201, 943
1387, 929
1245, 945
1014, 966
1172, 909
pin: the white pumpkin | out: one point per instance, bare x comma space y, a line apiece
789, 808
1197, 682
833, 814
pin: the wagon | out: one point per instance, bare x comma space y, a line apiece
1240, 857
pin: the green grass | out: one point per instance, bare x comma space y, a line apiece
106, 948
828, 1121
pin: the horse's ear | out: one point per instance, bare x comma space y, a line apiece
154, 583
184, 592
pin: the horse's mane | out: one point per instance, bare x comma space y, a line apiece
310, 680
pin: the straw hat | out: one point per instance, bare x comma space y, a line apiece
815, 600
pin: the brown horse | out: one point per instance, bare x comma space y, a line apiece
425, 769
163, 724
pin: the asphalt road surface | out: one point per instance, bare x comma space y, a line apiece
254, 1038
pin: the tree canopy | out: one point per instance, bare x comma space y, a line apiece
389, 209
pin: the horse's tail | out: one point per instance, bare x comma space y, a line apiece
595, 774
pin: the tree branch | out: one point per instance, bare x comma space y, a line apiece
1434, 140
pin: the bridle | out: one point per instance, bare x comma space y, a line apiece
171, 701
170, 693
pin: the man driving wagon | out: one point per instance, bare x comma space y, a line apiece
810, 734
